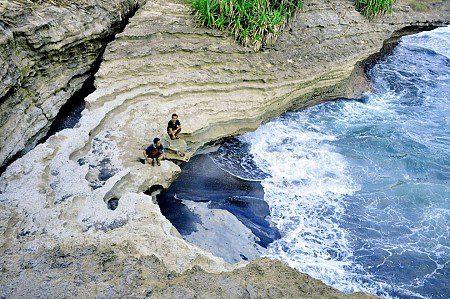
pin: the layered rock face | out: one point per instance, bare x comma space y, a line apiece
47, 52
58, 235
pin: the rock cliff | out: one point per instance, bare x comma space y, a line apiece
58, 235
47, 52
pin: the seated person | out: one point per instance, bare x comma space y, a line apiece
174, 127
154, 151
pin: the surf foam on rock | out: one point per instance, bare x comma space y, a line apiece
357, 188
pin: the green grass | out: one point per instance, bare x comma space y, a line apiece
253, 23
374, 8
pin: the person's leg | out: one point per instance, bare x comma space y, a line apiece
177, 131
153, 161
171, 134
147, 159
158, 160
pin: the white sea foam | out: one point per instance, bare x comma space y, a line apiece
308, 180
435, 40
311, 181
357, 188
306, 190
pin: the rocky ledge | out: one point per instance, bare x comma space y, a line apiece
48, 51
58, 235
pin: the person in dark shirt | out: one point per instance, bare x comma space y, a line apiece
155, 152
174, 127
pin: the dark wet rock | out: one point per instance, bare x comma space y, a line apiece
203, 181
113, 203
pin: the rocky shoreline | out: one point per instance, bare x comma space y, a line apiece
59, 238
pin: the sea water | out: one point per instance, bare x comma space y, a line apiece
359, 189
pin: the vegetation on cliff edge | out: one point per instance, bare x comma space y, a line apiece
254, 23
373, 8
257, 23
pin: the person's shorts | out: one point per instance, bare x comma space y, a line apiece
154, 155
179, 130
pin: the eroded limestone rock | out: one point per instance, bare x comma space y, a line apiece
47, 52
56, 195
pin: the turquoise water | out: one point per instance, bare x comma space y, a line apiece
359, 188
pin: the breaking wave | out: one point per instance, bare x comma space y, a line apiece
359, 189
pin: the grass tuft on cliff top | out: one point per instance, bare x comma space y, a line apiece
374, 8
253, 23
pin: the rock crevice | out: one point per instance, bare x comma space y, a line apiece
48, 52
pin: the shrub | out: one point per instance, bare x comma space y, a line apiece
254, 23
373, 8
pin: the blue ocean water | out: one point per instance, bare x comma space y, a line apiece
359, 189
